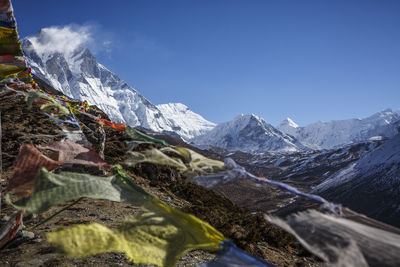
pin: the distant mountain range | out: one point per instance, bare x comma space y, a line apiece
250, 133
78, 74
326, 135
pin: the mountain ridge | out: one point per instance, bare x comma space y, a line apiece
77, 74
190, 123
336, 133
249, 133
375, 174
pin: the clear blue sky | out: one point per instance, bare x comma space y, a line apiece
309, 60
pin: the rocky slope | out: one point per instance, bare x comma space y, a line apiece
370, 185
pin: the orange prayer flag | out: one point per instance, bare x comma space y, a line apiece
115, 125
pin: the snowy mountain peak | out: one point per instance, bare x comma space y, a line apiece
249, 133
51, 41
190, 124
288, 126
176, 106
244, 120
289, 122
59, 57
388, 110
386, 116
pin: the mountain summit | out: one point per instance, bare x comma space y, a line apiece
190, 124
76, 73
288, 126
249, 133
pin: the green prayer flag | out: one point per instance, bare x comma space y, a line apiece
53, 189
139, 136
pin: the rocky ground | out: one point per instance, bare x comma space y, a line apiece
247, 229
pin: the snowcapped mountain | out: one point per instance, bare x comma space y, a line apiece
188, 123
340, 132
76, 73
370, 185
288, 126
73, 70
248, 133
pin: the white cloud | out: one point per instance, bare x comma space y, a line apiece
61, 39
65, 39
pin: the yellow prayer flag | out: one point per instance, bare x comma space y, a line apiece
159, 237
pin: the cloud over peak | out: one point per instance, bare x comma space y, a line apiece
62, 39
66, 39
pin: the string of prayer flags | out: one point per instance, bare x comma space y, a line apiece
158, 237
12, 61
238, 172
7, 19
67, 119
38, 98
